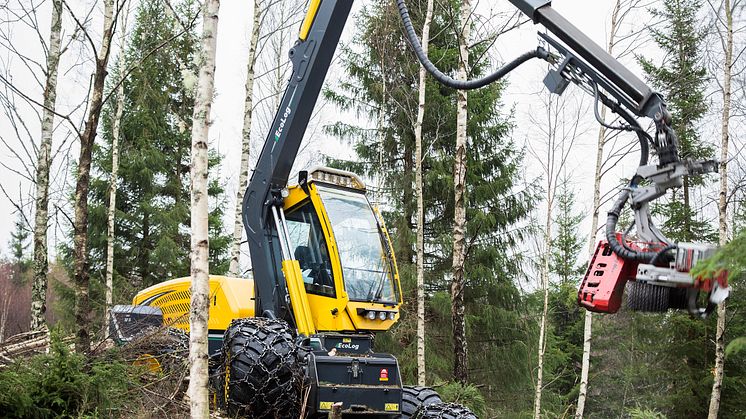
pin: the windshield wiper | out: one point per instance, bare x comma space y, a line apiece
378, 287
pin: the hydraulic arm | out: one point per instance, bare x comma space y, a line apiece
310, 58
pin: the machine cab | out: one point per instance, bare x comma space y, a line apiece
344, 256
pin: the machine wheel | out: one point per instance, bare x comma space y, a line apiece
261, 375
445, 411
678, 299
648, 297
414, 398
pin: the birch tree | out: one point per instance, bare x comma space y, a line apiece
420, 203
243, 174
622, 9
460, 350
560, 128
200, 289
724, 24
112, 208
41, 217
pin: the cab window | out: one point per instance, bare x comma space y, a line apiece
311, 250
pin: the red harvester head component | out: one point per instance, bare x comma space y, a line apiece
603, 285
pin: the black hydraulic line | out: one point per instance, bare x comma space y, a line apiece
662, 252
448, 81
639, 92
616, 247
624, 237
616, 210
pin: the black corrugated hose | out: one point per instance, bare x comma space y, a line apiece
448, 81
539, 52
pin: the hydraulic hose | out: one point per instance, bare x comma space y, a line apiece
448, 81
616, 247
539, 52
613, 215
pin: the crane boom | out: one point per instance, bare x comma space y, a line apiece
310, 58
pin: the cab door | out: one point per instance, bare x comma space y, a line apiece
314, 248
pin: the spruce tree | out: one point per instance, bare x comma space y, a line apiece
565, 339
683, 345
18, 246
152, 220
19, 240
567, 245
682, 78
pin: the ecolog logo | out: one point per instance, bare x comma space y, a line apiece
285, 115
353, 346
284, 118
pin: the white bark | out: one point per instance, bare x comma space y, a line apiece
243, 175
545, 285
588, 327
112, 209
723, 207
198, 318
561, 132
41, 219
420, 203
460, 350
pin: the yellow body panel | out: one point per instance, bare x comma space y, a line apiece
230, 298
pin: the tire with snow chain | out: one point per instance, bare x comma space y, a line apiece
647, 297
414, 398
261, 375
445, 411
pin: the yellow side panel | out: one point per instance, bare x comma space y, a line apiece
230, 298
322, 309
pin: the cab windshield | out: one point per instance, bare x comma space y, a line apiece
366, 266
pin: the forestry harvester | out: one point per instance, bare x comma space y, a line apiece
298, 337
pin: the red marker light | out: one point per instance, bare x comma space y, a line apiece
384, 375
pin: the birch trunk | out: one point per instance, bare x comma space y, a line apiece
460, 350
87, 138
421, 204
198, 316
112, 209
588, 326
41, 219
4, 311
243, 174
545, 286
723, 208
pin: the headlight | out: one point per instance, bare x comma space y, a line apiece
392, 315
382, 315
371, 315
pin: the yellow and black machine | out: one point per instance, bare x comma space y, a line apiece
298, 337
338, 274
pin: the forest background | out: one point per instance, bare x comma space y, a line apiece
530, 185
